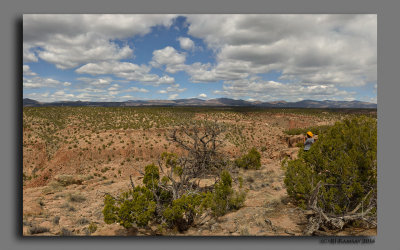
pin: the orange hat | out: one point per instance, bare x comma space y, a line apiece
309, 133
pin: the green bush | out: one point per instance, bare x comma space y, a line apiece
152, 176
149, 203
134, 206
92, 227
175, 199
224, 198
222, 191
252, 160
344, 160
182, 212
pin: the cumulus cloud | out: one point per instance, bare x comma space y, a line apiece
173, 96
313, 49
170, 57
186, 43
127, 97
114, 87
37, 96
272, 90
96, 82
41, 82
203, 95
71, 40
61, 94
310, 56
28, 54
92, 93
98, 97
173, 88
136, 89
47, 96
126, 70
91, 89
26, 70
223, 71
166, 80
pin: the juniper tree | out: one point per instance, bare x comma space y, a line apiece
337, 177
171, 194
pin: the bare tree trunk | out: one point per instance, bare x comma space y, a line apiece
318, 219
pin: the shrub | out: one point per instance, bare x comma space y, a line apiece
56, 220
182, 212
38, 230
344, 161
92, 227
149, 203
26, 177
66, 180
76, 197
134, 206
237, 199
65, 232
82, 221
176, 199
151, 176
53, 187
224, 198
252, 160
299, 144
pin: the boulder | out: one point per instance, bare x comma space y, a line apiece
293, 140
290, 153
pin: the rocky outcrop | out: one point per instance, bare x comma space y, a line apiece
293, 140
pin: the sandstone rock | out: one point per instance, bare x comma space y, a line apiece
32, 209
46, 224
293, 140
275, 155
291, 153
231, 227
108, 230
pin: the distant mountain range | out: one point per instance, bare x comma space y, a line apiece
219, 102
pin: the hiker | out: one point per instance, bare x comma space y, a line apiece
309, 141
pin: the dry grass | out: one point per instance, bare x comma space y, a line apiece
76, 197
38, 230
83, 221
65, 232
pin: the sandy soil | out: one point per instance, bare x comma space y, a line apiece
76, 209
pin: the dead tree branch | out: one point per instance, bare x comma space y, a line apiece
317, 219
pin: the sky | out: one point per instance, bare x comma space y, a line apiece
267, 57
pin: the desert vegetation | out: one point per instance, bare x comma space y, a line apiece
336, 179
175, 197
191, 171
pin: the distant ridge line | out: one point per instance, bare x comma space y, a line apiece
219, 102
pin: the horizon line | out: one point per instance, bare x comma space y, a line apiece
197, 98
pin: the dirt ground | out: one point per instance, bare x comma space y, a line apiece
101, 163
